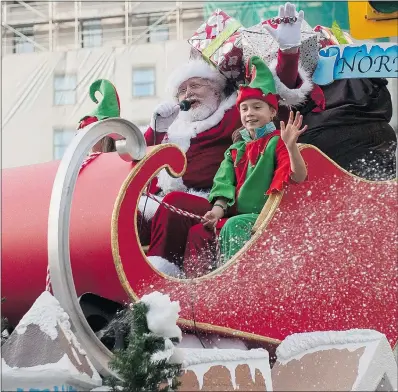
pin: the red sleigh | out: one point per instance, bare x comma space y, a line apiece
323, 256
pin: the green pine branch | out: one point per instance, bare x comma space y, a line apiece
134, 366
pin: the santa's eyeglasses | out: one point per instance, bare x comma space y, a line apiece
192, 87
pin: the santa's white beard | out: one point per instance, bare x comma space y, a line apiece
201, 112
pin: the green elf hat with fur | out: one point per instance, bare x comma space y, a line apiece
261, 83
109, 105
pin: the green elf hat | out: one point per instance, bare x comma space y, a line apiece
109, 105
261, 86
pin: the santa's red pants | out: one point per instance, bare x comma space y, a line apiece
180, 239
200, 252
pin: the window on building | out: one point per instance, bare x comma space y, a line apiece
64, 89
143, 82
61, 140
158, 33
92, 33
21, 45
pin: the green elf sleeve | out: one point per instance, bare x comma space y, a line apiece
224, 182
108, 107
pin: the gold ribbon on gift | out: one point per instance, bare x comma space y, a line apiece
220, 39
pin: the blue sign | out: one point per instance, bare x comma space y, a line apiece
350, 61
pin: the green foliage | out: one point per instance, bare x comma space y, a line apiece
338, 33
134, 365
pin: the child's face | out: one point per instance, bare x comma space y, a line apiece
255, 113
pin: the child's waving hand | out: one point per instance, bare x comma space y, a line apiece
292, 131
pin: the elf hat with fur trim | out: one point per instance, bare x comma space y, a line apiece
195, 68
108, 107
261, 86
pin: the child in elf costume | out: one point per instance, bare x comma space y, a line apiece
259, 164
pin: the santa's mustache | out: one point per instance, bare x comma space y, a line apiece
193, 100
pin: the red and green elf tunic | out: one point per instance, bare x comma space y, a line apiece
251, 170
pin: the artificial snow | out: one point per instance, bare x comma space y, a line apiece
164, 354
41, 375
162, 315
46, 312
201, 360
299, 344
194, 356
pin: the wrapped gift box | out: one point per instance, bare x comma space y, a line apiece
327, 38
218, 40
257, 41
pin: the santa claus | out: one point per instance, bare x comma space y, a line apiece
204, 133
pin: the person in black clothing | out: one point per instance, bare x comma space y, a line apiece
354, 129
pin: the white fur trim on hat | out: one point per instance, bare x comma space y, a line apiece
194, 69
295, 96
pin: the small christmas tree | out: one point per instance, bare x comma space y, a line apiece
144, 364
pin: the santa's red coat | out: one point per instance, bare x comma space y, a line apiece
206, 150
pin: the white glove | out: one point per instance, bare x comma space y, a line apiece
163, 116
288, 35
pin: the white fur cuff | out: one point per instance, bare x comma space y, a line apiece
165, 266
292, 97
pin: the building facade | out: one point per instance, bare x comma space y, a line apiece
53, 51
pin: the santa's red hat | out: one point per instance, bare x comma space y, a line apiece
261, 86
195, 68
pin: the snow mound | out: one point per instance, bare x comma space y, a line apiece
46, 312
298, 343
162, 315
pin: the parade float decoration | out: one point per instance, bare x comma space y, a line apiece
310, 266
356, 61
322, 256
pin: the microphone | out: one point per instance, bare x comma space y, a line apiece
185, 105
